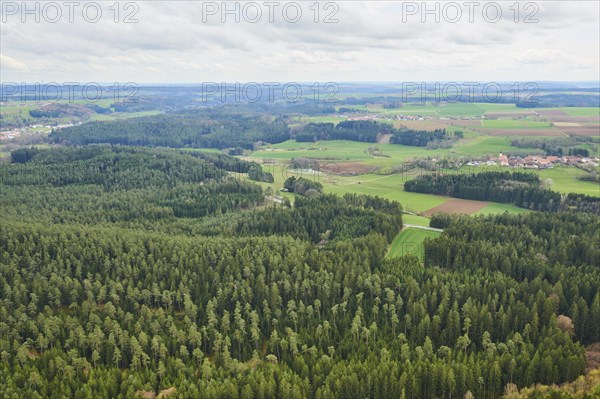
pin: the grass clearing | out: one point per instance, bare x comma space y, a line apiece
410, 242
495, 208
415, 220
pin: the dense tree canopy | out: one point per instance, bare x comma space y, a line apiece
126, 271
354, 130
199, 130
369, 131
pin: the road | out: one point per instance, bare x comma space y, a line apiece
422, 227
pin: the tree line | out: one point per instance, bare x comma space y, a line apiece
518, 188
370, 131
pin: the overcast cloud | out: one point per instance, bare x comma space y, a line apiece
172, 44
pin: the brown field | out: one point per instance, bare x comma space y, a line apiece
347, 168
465, 123
457, 205
523, 132
566, 124
590, 130
509, 114
575, 119
422, 125
551, 113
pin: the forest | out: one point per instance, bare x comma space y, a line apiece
419, 138
302, 186
519, 188
370, 132
196, 129
129, 272
233, 129
354, 130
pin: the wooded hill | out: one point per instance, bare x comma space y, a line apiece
127, 271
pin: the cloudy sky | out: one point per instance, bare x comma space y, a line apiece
179, 42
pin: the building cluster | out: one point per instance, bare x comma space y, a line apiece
537, 161
17, 132
387, 117
9, 134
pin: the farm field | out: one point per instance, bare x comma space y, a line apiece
448, 110
321, 119
514, 124
574, 111
385, 186
341, 150
458, 206
410, 242
565, 180
339, 156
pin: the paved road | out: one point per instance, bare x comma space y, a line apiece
422, 227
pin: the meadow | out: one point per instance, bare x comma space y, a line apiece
565, 180
393, 154
515, 124
410, 242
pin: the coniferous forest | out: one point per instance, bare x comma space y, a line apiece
230, 129
129, 271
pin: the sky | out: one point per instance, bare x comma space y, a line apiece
188, 42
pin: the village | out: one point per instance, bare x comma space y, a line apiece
386, 117
537, 161
37, 128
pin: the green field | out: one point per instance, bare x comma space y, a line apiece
11, 113
415, 220
410, 242
20, 111
394, 154
564, 180
447, 110
385, 186
495, 208
122, 115
515, 124
391, 186
321, 119
575, 111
